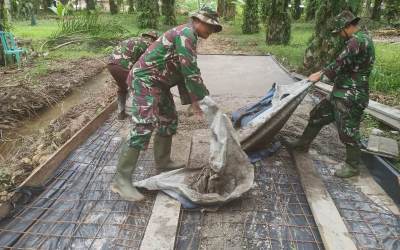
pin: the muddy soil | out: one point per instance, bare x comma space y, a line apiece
26, 99
23, 93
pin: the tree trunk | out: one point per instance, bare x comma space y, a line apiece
226, 9
392, 10
131, 8
324, 46
376, 11
114, 9
296, 10
221, 8
250, 17
230, 10
148, 13
311, 9
265, 10
90, 4
168, 11
4, 22
367, 11
279, 23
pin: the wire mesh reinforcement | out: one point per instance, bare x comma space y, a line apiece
273, 215
77, 209
370, 225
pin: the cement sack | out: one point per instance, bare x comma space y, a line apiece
226, 175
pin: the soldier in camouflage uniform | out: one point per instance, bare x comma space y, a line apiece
350, 95
121, 61
168, 62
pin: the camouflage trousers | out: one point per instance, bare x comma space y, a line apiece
346, 115
152, 108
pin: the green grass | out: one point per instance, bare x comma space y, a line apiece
291, 55
386, 74
384, 78
40, 32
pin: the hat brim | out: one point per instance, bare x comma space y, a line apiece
355, 21
217, 26
150, 36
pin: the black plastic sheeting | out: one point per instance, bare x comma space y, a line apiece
273, 215
77, 209
370, 225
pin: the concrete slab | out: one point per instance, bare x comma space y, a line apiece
241, 75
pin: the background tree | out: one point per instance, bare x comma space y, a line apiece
226, 9
376, 10
279, 23
131, 8
148, 13
114, 8
250, 17
90, 4
296, 9
265, 7
4, 22
168, 11
311, 9
392, 10
324, 46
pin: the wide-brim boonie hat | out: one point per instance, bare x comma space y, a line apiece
343, 20
209, 16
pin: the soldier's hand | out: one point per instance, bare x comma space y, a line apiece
315, 77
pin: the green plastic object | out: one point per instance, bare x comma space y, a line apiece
10, 47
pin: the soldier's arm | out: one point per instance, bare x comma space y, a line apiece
186, 50
343, 60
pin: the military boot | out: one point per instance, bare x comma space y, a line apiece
122, 183
352, 165
121, 100
303, 143
162, 154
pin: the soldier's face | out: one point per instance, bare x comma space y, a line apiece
204, 30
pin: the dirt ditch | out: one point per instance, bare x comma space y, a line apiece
39, 115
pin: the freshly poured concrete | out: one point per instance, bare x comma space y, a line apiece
241, 75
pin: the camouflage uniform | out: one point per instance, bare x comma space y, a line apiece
168, 62
129, 51
350, 74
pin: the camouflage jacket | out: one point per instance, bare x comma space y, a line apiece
129, 51
171, 61
352, 68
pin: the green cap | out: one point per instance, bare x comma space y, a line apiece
209, 16
343, 20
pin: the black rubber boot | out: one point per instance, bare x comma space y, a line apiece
352, 164
122, 183
162, 154
303, 143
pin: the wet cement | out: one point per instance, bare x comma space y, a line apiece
241, 75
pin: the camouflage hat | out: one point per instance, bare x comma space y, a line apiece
151, 33
343, 20
209, 16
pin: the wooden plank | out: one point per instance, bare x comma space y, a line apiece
41, 174
333, 231
163, 224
